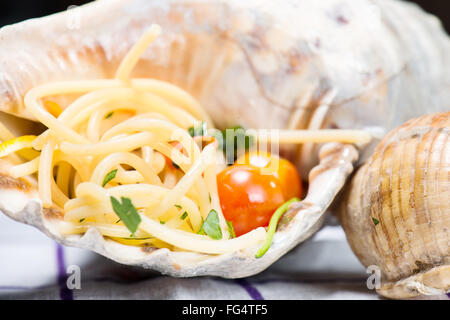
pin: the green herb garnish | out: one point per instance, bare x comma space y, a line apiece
233, 141
109, 115
230, 140
184, 216
162, 222
178, 206
198, 130
175, 165
211, 226
81, 220
231, 229
375, 221
273, 227
111, 175
127, 213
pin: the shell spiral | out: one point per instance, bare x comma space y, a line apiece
396, 210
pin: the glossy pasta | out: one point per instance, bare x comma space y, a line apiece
126, 138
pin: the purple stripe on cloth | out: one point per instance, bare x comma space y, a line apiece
64, 292
251, 290
448, 295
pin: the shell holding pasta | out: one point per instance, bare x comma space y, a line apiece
396, 212
19, 199
257, 63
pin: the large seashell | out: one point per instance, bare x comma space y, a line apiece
396, 211
300, 64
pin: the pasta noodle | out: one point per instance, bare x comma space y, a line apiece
126, 139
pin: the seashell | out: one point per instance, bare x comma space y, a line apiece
396, 211
302, 64
298, 65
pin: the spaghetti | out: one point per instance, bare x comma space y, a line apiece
122, 149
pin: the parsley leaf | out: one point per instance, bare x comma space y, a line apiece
175, 165
178, 206
211, 226
233, 141
109, 115
109, 176
162, 222
231, 229
127, 213
198, 130
375, 221
184, 216
82, 219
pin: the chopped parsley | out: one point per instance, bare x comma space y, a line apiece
198, 130
178, 206
162, 222
375, 221
233, 141
81, 220
231, 229
109, 115
184, 216
109, 176
127, 212
175, 165
211, 226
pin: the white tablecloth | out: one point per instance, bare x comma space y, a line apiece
33, 266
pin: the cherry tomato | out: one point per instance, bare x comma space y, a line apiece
248, 198
281, 168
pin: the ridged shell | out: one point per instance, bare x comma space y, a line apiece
258, 63
396, 211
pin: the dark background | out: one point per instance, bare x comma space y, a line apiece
17, 10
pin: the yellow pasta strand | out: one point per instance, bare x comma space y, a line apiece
128, 138
136, 52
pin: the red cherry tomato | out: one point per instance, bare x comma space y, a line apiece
248, 198
281, 168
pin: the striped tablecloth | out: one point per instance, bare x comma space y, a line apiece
33, 266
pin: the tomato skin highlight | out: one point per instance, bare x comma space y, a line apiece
284, 170
248, 198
